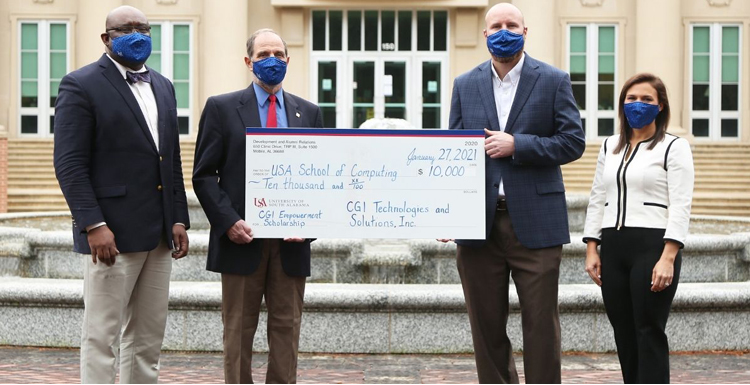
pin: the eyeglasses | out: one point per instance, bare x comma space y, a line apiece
127, 29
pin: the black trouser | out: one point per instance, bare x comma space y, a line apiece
638, 315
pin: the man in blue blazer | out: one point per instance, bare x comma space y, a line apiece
252, 269
533, 126
117, 159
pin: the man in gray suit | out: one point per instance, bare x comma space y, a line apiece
533, 126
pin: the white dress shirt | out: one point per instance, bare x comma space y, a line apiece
146, 100
505, 91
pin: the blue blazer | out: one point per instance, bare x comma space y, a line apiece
546, 126
219, 175
106, 161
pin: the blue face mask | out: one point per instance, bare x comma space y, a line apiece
640, 114
270, 70
504, 43
134, 47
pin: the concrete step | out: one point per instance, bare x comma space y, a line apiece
722, 205
734, 165
720, 168
717, 174
32, 165
31, 145
731, 182
720, 211
31, 148
34, 183
729, 162
30, 157
26, 209
709, 187
31, 173
700, 176
28, 200
378, 318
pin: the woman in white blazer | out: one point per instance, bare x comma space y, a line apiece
639, 213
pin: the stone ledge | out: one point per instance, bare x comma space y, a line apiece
729, 296
47, 254
345, 318
199, 242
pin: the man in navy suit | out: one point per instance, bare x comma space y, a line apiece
252, 268
117, 159
533, 126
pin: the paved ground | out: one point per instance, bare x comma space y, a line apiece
36, 365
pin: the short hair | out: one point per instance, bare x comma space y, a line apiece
250, 45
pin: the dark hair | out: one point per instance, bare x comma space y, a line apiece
662, 119
250, 45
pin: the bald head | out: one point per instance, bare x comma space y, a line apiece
122, 21
125, 15
264, 38
504, 16
504, 11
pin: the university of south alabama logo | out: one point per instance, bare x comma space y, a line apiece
260, 202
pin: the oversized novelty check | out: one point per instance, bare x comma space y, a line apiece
358, 183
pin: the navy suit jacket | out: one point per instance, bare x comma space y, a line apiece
106, 161
546, 126
219, 175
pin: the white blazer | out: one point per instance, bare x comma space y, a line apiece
652, 189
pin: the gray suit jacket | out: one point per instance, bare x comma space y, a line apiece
546, 126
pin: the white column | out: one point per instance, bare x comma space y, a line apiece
89, 25
660, 50
543, 41
222, 33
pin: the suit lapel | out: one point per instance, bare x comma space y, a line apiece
248, 109
121, 85
293, 114
529, 76
488, 97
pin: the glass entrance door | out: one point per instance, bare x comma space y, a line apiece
379, 90
388, 63
363, 91
394, 89
327, 92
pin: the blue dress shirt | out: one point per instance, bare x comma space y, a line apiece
263, 104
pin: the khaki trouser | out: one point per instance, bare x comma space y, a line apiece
240, 311
126, 313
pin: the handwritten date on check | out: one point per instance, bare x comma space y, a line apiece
356, 183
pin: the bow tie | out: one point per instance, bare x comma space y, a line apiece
135, 77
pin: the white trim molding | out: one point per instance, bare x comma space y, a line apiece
719, 3
592, 3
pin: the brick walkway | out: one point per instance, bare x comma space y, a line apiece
35, 365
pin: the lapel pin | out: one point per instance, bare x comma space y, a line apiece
297, 114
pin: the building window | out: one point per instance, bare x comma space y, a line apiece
171, 56
715, 82
592, 63
43, 61
380, 64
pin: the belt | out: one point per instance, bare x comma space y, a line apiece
502, 204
